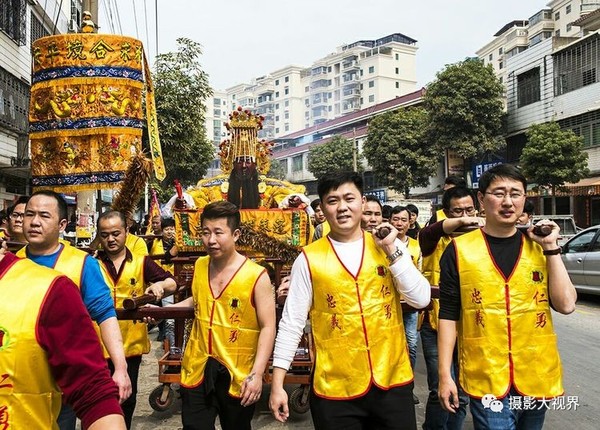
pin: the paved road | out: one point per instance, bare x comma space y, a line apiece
579, 342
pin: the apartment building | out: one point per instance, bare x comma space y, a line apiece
22, 22
354, 77
555, 77
217, 114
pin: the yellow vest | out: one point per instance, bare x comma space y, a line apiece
158, 249
415, 252
431, 271
69, 262
130, 283
356, 323
440, 215
136, 244
326, 229
505, 330
31, 397
225, 327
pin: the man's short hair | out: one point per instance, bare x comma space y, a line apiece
528, 208
60, 201
21, 200
167, 222
315, 203
386, 212
397, 209
456, 181
412, 209
112, 214
222, 209
505, 171
455, 193
372, 198
334, 180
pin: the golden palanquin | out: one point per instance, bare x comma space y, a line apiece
86, 114
265, 232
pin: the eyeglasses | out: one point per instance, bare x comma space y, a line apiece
460, 211
17, 215
501, 195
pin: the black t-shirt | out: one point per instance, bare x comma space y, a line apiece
505, 251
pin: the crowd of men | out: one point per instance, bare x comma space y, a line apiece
497, 286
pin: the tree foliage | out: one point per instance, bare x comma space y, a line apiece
181, 87
398, 151
277, 169
335, 155
553, 156
466, 109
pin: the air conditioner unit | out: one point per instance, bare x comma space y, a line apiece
73, 27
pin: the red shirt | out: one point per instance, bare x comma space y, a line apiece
66, 333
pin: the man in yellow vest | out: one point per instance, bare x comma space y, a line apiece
459, 212
233, 331
127, 275
350, 283
450, 182
16, 213
45, 218
37, 364
497, 288
400, 219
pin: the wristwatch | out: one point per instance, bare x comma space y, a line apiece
397, 253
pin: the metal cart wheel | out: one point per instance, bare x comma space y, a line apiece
161, 398
299, 399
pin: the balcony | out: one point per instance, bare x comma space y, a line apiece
350, 65
349, 93
350, 77
588, 6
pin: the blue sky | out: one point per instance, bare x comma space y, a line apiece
245, 39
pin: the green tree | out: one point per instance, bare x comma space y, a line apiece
553, 156
466, 109
336, 155
398, 151
181, 87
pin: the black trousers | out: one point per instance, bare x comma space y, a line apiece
201, 405
133, 370
378, 409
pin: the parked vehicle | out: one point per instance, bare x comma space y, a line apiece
581, 255
568, 229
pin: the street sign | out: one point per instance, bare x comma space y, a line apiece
380, 193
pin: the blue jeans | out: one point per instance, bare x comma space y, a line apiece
435, 416
66, 419
412, 335
491, 418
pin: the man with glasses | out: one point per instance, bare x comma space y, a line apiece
497, 286
459, 212
16, 213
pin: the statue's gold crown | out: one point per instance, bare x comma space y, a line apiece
241, 118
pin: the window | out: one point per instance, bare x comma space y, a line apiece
37, 29
397, 70
297, 163
306, 89
557, 33
500, 65
13, 20
500, 51
371, 98
287, 79
361, 72
276, 81
569, 27
397, 84
287, 127
216, 112
528, 87
276, 105
286, 103
568, 9
286, 115
490, 57
277, 94
276, 117
557, 16
397, 57
361, 86
286, 91
371, 69
371, 84
589, 77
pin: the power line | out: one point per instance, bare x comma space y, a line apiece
57, 16
118, 15
137, 34
146, 17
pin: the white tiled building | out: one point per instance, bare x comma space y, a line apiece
556, 76
354, 77
22, 22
